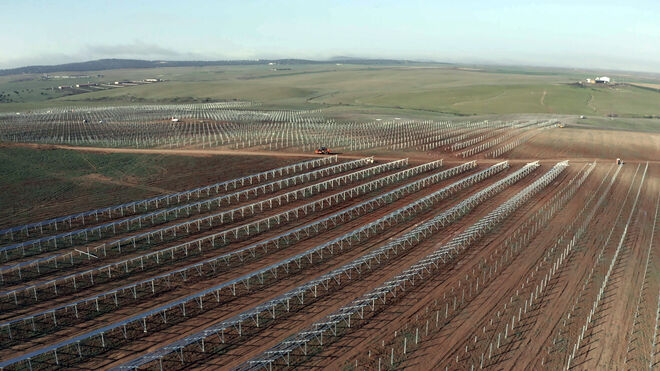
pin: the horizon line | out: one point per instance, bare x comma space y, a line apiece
328, 60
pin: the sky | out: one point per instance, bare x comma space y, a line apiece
606, 34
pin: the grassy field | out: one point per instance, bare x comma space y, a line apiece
38, 182
32, 179
531, 98
433, 88
44, 182
619, 123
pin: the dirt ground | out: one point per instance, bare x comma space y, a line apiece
523, 296
571, 142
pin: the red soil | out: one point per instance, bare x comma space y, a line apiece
618, 337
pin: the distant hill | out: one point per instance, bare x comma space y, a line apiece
113, 64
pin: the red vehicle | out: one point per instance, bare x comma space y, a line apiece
322, 151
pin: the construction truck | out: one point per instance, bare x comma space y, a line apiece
322, 151
619, 161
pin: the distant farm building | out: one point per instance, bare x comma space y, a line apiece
599, 80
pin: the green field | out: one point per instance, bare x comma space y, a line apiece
50, 182
47, 182
32, 179
436, 88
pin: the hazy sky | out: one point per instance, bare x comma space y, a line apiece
590, 34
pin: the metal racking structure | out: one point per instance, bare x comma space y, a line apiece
523, 131
235, 327
71, 257
523, 138
222, 237
506, 252
57, 317
233, 127
67, 239
135, 326
157, 202
342, 317
605, 281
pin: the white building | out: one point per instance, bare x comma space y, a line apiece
602, 80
